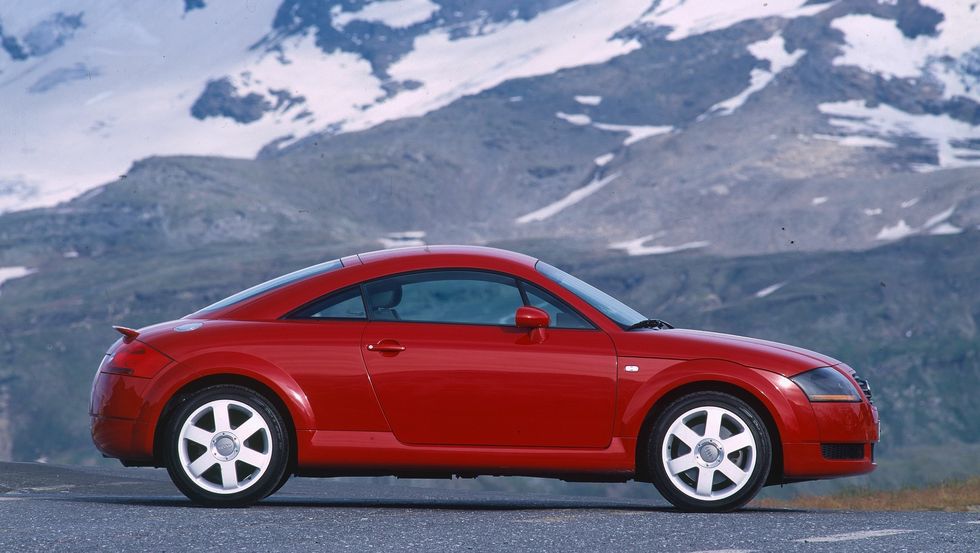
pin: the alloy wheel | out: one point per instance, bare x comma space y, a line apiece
224, 446
709, 453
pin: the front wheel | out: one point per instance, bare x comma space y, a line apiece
709, 452
227, 446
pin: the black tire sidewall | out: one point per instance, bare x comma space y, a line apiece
275, 473
703, 399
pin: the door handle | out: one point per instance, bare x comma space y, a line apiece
386, 346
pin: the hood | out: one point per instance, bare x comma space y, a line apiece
697, 344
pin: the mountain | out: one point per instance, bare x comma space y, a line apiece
792, 170
563, 110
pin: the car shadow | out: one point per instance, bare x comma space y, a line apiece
515, 504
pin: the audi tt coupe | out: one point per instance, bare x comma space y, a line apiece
450, 360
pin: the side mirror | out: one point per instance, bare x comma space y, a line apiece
531, 317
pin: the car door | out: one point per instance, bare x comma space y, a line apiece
450, 367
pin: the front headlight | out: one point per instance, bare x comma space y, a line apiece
827, 384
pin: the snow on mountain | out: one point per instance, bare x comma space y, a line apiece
127, 80
693, 17
874, 126
396, 14
89, 86
639, 246
571, 199
772, 50
118, 88
949, 59
10, 273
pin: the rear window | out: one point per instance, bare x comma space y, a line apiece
277, 282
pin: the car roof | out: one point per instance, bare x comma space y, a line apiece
459, 253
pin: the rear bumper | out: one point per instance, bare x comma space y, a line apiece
121, 438
116, 429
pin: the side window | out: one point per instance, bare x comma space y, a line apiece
562, 315
345, 304
462, 297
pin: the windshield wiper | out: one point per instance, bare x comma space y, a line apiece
651, 323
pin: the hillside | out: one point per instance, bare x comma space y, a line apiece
798, 171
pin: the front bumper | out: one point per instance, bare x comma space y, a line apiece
850, 427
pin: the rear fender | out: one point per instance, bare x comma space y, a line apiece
225, 363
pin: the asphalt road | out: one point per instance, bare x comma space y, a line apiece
57, 508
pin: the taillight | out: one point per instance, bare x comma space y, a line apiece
136, 359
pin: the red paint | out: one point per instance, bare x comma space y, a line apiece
404, 397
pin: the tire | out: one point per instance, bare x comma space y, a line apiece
700, 469
227, 446
286, 475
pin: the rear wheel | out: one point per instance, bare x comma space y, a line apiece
227, 446
709, 452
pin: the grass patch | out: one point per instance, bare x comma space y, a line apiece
959, 496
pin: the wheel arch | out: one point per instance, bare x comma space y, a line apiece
673, 394
196, 385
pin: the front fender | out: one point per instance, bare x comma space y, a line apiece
169, 381
656, 379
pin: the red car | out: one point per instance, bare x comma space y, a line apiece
441, 361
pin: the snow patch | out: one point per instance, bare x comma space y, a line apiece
856, 141
589, 100
878, 46
939, 217
772, 50
579, 119
937, 224
855, 117
604, 159
403, 239
397, 14
638, 246
10, 273
871, 212
945, 228
571, 199
819, 200
694, 17
768, 290
635, 133
895, 232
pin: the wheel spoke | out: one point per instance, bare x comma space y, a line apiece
222, 423
738, 441
712, 427
705, 479
684, 433
229, 476
203, 463
249, 427
198, 435
731, 470
681, 464
254, 458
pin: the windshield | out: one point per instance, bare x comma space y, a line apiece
283, 280
616, 310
